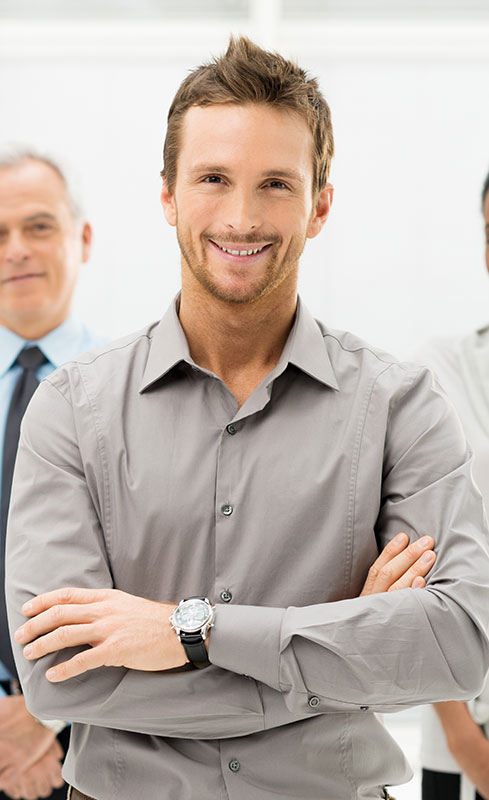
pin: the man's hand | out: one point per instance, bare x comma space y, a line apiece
466, 742
23, 739
400, 565
39, 779
123, 631
128, 631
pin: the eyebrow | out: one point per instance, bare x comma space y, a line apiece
287, 174
33, 218
40, 215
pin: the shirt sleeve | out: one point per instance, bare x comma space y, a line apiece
57, 537
411, 646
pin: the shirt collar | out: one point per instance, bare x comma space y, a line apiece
304, 348
58, 345
168, 348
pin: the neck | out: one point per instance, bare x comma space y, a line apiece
240, 343
31, 329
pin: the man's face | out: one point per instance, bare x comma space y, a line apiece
486, 226
244, 184
41, 249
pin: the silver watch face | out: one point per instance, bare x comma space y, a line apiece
191, 615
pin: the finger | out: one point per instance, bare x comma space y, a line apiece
405, 561
65, 596
420, 568
10, 775
65, 636
13, 790
418, 583
80, 663
29, 789
393, 548
56, 617
397, 566
56, 750
54, 773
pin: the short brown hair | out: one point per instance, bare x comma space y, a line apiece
248, 74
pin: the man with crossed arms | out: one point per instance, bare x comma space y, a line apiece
210, 492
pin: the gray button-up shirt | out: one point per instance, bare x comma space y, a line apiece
129, 475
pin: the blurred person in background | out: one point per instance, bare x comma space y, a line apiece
43, 241
210, 492
455, 748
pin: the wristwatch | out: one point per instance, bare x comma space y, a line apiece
192, 619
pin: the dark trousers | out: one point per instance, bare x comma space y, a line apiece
57, 794
441, 786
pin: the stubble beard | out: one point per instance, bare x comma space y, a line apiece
277, 270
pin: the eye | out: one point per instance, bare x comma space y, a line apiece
40, 227
213, 179
277, 185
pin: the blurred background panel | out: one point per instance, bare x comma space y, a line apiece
118, 9
401, 258
386, 9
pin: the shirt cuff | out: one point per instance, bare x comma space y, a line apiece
246, 640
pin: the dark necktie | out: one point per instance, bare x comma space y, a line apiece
30, 359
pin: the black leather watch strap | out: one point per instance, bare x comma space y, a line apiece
195, 649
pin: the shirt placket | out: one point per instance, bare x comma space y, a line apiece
228, 510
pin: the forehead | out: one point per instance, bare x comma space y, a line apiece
32, 187
255, 135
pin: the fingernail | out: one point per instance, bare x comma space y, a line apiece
27, 651
51, 674
19, 634
428, 556
399, 538
425, 541
27, 608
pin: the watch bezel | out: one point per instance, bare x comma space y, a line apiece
202, 627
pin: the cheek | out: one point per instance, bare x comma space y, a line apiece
296, 223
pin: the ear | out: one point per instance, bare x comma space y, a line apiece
320, 212
86, 236
168, 203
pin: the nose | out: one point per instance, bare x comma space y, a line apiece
16, 249
243, 211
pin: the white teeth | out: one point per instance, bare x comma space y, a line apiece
241, 252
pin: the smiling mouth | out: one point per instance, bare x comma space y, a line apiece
241, 252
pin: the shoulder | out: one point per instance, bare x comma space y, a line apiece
357, 361
107, 366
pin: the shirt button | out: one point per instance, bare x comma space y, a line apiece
234, 765
314, 701
226, 597
231, 429
227, 510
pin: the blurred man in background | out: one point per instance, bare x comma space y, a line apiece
43, 241
455, 748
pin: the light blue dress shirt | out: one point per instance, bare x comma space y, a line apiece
71, 338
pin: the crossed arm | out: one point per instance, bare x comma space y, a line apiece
122, 630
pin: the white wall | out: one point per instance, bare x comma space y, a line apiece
401, 258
